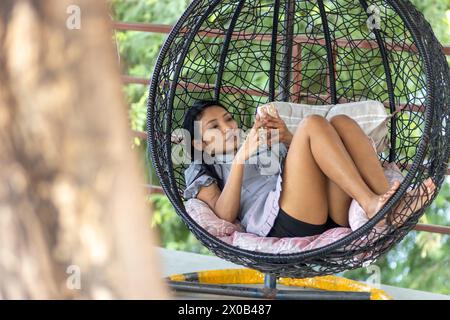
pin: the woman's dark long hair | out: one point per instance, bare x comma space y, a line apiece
192, 115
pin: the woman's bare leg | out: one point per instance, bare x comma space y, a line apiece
366, 160
303, 189
338, 203
360, 149
317, 152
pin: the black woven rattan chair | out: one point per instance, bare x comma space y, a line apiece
249, 52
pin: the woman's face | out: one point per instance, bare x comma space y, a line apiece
219, 131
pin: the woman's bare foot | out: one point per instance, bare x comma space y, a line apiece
413, 201
379, 201
409, 203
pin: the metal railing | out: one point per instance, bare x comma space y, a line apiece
165, 29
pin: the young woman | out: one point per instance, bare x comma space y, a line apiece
323, 166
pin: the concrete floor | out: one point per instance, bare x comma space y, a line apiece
176, 262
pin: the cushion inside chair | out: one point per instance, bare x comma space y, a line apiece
234, 234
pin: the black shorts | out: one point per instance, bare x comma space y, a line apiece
287, 226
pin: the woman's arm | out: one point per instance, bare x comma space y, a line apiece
227, 204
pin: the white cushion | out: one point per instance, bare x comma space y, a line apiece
371, 116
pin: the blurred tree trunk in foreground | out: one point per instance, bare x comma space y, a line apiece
73, 220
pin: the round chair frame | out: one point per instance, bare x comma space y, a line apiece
217, 40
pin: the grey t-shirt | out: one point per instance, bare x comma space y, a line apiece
259, 191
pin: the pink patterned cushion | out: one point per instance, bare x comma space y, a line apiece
234, 234
208, 220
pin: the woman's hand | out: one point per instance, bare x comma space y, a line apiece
251, 143
275, 122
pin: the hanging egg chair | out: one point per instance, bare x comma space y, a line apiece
245, 53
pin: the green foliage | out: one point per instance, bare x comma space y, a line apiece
437, 13
420, 261
173, 232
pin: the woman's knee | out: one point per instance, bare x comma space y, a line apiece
310, 123
342, 120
